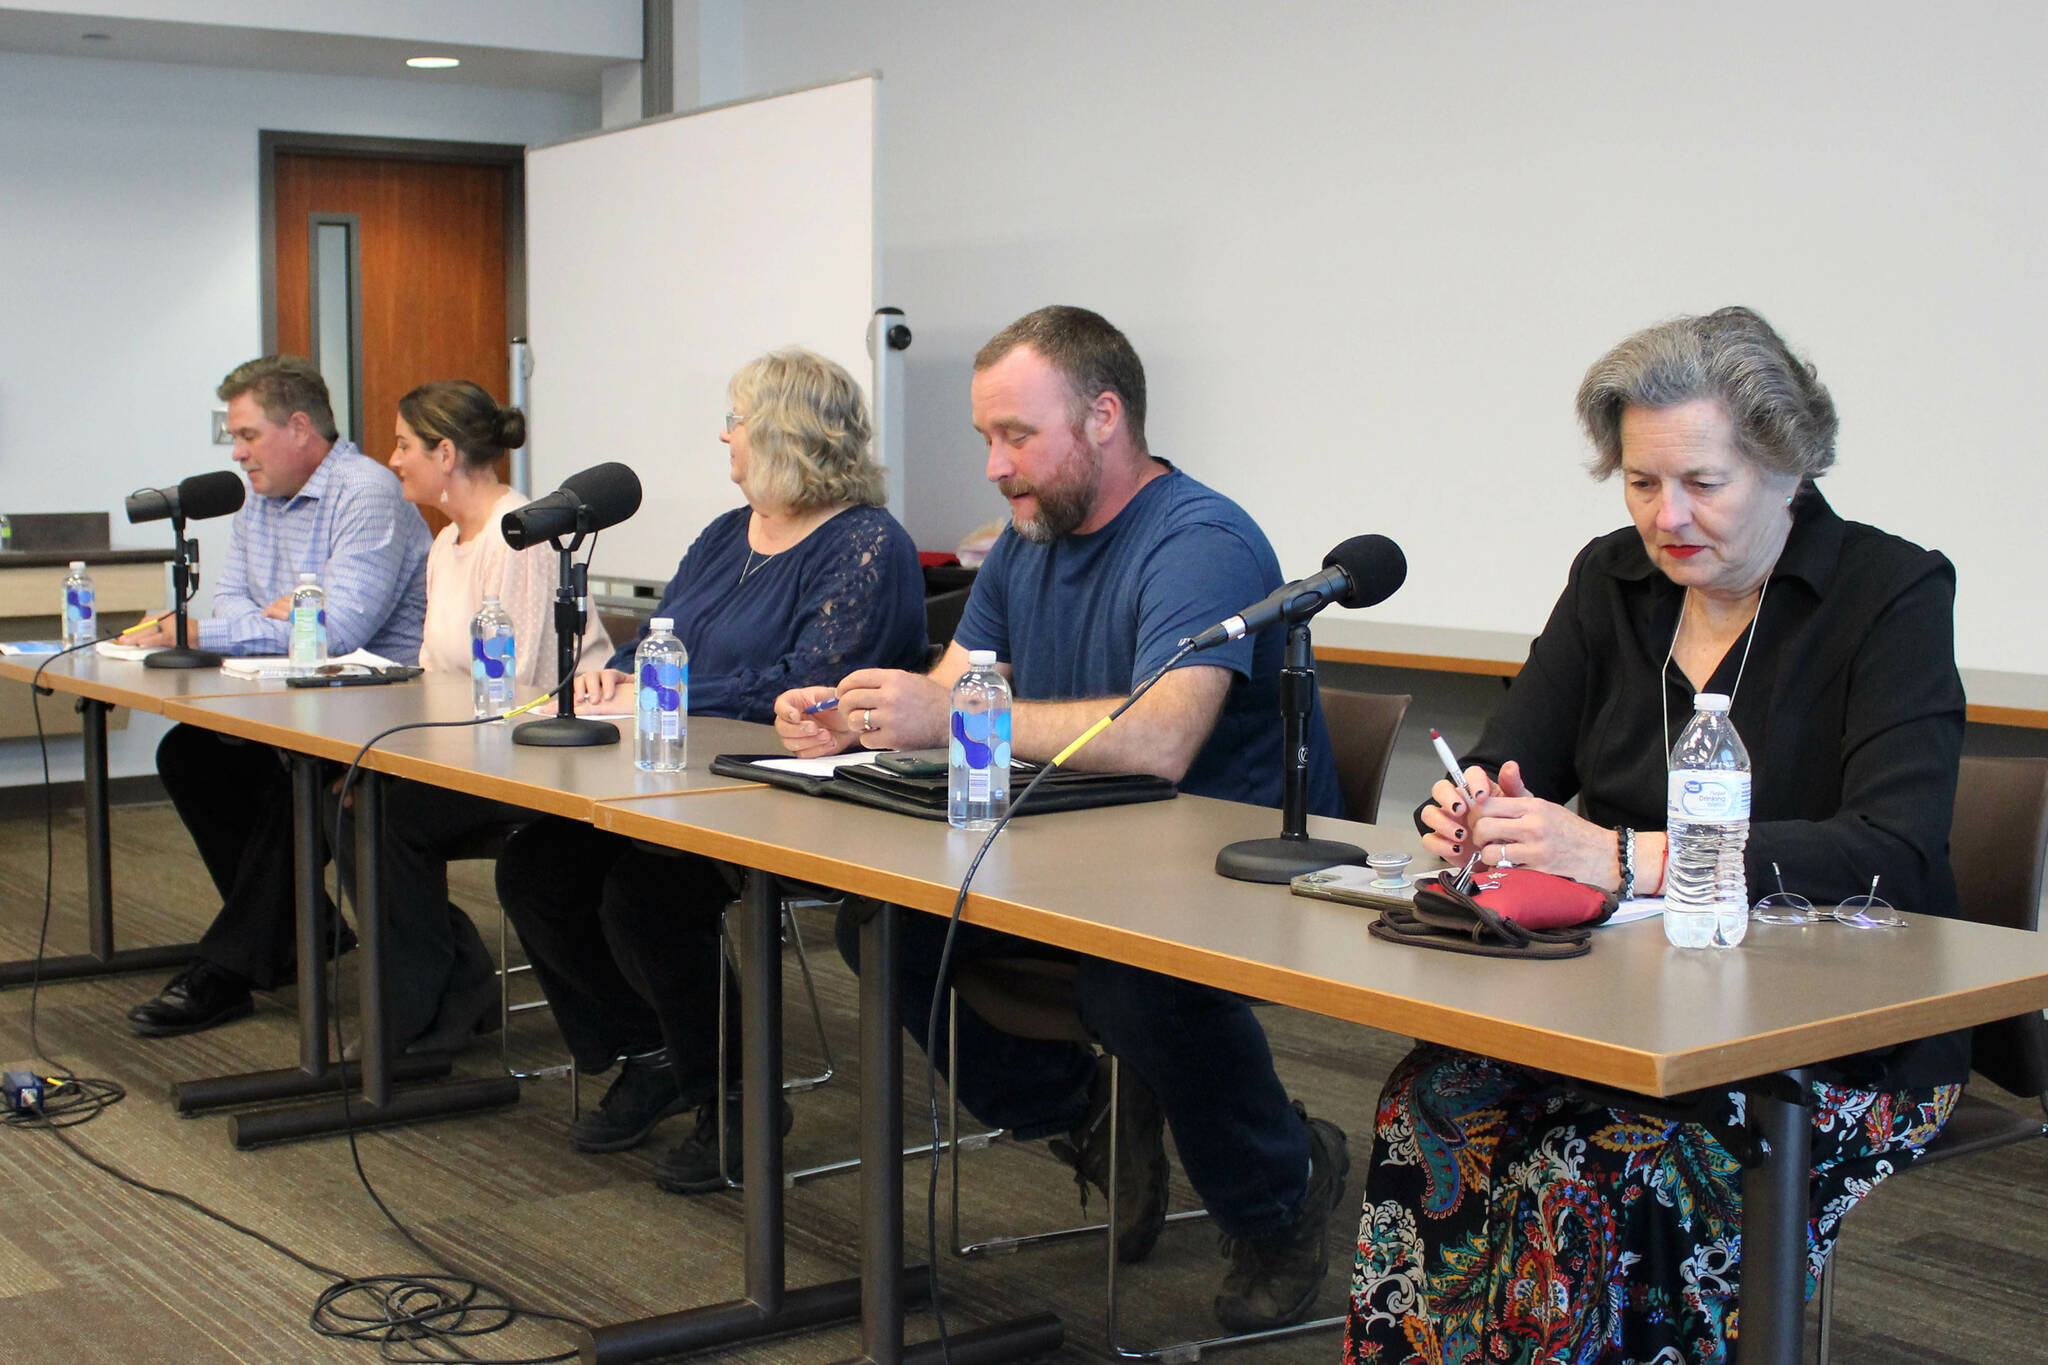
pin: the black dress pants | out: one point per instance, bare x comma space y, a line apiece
236, 801
625, 941
431, 948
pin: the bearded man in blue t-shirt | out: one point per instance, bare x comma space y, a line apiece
1112, 557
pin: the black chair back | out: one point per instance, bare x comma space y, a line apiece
1998, 846
1363, 728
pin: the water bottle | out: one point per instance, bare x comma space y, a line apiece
661, 717
1706, 818
978, 750
491, 662
81, 613
309, 625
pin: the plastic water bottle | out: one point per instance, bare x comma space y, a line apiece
1706, 818
309, 625
81, 609
491, 660
978, 749
661, 718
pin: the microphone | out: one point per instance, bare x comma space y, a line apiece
600, 496
196, 498
1362, 572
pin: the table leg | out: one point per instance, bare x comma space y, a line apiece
1774, 1210
881, 1182
769, 1308
379, 1106
102, 959
315, 1073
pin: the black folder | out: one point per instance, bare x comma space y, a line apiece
870, 784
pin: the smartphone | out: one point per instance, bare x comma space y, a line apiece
915, 763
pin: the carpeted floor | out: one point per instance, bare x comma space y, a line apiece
1947, 1266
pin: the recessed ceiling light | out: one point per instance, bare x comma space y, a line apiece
97, 37
433, 63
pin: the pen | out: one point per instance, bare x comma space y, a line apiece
1450, 762
826, 705
1443, 751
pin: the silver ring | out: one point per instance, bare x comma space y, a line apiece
867, 725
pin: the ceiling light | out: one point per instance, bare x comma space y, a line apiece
432, 63
97, 37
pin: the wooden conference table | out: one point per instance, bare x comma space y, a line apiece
98, 685
331, 725
1134, 883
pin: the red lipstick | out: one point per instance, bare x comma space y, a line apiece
1683, 551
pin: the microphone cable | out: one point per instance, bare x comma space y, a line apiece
944, 975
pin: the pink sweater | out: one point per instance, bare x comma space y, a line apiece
458, 576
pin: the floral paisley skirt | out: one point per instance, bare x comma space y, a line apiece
1508, 1221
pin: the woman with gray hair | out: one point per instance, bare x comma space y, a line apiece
1507, 1217
809, 580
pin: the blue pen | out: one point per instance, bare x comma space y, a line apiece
826, 705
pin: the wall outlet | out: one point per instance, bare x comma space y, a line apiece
220, 428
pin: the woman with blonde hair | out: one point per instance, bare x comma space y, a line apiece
810, 579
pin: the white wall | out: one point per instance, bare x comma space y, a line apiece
128, 263
1367, 250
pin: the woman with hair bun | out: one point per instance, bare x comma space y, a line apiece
450, 437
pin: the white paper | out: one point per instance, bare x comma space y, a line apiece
816, 767
113, 649
278, 666
1642, 907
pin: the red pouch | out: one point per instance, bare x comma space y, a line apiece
1541, 900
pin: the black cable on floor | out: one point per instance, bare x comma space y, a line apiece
403, 1313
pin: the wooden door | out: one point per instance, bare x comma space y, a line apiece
431, 271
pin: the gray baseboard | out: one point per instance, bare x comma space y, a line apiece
27, 799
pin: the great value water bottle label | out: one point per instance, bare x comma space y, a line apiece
78, 605
309, 633
1707, 798
491, 660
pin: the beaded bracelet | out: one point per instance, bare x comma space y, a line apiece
1625, 852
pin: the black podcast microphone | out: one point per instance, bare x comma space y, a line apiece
600, 496
1362, 572
195, 498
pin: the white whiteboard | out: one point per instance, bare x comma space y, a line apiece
662, 257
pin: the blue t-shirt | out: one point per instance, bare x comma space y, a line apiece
848, 595
1092, 615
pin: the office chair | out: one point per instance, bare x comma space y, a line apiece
1998, 845
1363, 729
486, 845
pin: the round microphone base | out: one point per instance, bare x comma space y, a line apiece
1281, 860
182, 658
565, 732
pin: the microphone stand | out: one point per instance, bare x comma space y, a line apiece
1292, 852
567, 729
184, 580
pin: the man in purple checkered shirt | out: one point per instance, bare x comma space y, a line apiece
321, 507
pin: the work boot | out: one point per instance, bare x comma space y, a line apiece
645, 1092
691, 1167
1140, 1212
1272, 1280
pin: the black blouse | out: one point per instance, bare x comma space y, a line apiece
1850, 707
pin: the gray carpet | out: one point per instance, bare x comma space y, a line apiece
1948, 1265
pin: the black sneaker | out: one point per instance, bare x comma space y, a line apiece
200, 997
691, 1167
644, 1093
1140, 1212
1272, 1280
